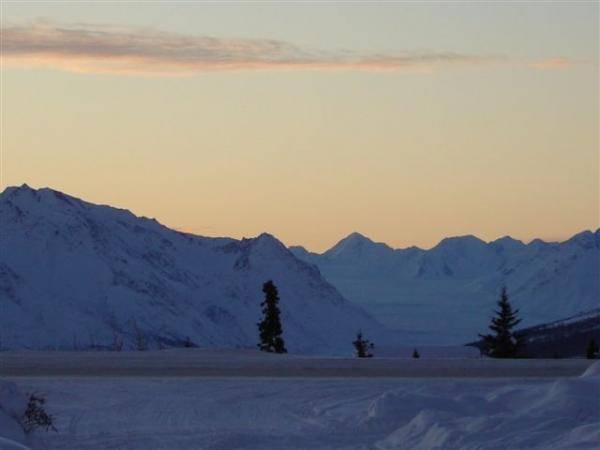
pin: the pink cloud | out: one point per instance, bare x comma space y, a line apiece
146, 51
551, 63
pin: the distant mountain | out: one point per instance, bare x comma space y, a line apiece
565, 338
75, 274
446, 294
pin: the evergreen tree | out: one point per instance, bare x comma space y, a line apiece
269, 328
592, 350
502, 343
363, 346
416, 354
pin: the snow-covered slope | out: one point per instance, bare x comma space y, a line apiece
563, 338
75, 274
446, 294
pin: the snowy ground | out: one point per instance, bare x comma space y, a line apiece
254, 412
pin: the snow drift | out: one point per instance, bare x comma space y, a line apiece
301, 413
12, 407
563, 414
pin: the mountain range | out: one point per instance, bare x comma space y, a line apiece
447, 294
78, 275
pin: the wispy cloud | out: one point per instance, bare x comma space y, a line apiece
126, 50
551, 63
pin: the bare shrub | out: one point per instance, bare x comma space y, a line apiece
117, 343
35, 415
140, 341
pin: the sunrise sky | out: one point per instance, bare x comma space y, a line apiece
407, 122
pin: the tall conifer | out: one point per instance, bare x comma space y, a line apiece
269, 328
502, 343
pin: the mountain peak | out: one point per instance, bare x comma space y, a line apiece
506, 243
25, 191
266, 237
460, 242
351, 244
356, 245
11, 191
264, 243
507, 239
355, 235
23, 188
538, 243
586, 239
355, 238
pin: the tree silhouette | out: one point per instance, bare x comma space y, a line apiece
269, 328
502, 343
592, 350
35, 416
362, 346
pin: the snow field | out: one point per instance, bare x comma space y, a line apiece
310, 413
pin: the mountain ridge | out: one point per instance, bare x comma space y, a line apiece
506, 239
447, 293
441, 295
73, 273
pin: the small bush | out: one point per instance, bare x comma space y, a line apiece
140, 342
35, 415
188, 343
117, 343
363, 346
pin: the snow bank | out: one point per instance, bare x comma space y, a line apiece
12, 406
147, 413
593, 371
564, 414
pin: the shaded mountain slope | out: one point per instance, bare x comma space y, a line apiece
75, 274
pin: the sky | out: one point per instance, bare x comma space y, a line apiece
408, 122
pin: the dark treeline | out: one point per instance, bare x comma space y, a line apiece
576, 338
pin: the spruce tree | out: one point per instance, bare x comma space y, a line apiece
502, 343
592, 350
362, 346
269, 328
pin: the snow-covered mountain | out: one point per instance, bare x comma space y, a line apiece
447, 294
75, 274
